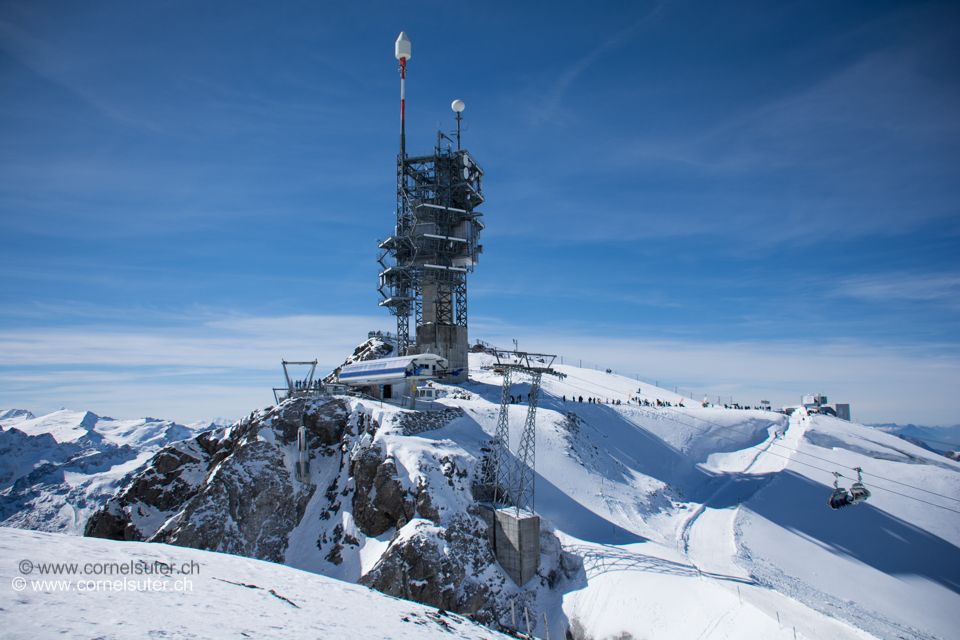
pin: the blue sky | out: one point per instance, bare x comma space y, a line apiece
747, 199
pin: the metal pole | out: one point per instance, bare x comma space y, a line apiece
546, 628
403, 115
459, 117
526, 616
513, 613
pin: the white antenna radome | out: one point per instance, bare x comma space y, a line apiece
458, 106
403, 47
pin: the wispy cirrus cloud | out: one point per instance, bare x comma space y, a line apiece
240, 341
892, 287
554, 98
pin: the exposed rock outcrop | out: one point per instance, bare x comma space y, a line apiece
379, 503
161, 488
439, 566
413, 423
227, 490
373, 349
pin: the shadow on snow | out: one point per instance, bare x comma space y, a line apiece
863, 533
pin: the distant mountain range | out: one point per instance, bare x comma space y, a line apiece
938, 439
57, 469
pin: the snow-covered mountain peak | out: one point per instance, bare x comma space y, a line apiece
10, 417
64, 425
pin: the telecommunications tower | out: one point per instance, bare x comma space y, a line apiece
424, 264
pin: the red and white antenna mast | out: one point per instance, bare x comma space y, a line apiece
403, 54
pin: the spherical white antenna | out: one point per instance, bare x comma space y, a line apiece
458, 106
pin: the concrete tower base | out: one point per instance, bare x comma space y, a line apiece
515, 540
447, 341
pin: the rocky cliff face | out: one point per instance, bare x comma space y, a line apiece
440, 565
229, 490
233, 490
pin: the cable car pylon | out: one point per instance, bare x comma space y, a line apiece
513, 484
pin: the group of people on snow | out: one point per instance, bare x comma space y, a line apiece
640, 402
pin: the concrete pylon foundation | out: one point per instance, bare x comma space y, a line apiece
516, 541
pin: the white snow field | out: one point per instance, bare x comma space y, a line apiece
686, 522
680, 514
218, 596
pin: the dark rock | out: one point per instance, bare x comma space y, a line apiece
227, 489
255, 505
425, 504
379, 502
417, 567
414, 422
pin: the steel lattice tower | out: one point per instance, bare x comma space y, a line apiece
501, 448
513, 480
526, 460
435, 244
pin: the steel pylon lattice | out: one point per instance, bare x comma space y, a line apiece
526, 459
513, 480
501, 446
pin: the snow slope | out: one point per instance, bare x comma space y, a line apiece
693, 509
220, 596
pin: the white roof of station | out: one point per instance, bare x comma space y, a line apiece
384, 366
